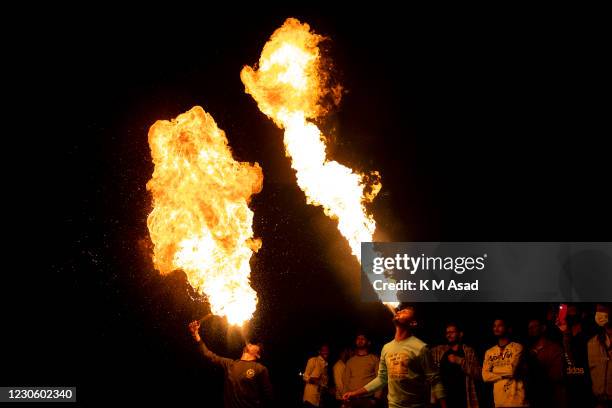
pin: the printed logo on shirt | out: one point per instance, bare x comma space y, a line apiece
250, 373
397, 365
497, 359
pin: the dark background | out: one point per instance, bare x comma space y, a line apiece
486, 125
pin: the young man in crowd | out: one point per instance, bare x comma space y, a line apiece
338, 373
360, 370
574, 341
459, 369
600, 356
546, 386
504, 367
316, 378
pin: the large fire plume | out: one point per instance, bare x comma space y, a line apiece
291, 86
201, 222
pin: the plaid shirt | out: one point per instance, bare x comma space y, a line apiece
470, 366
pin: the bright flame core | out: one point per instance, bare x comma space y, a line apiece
201, 222
290, 86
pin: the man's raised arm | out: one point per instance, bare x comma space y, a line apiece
194, 328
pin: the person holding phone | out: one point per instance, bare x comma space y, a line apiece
574, 340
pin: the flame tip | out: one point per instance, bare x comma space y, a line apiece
291, 84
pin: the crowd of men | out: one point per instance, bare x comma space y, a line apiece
560, 365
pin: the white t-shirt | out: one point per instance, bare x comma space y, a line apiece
500, 367
315, 367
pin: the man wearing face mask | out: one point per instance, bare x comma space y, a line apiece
600, 354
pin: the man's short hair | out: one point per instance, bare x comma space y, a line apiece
537, 319
362, 333
455, 325
256, 343
504, 319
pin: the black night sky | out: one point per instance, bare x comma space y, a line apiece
484, 128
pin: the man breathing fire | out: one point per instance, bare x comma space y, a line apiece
247, 384
406, 366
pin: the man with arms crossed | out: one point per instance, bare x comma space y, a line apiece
503, 366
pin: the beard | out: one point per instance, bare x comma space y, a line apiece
405, 324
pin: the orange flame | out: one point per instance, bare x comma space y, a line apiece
290, 86
201, 222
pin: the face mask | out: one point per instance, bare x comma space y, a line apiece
601, 318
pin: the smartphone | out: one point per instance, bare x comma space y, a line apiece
562, 312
